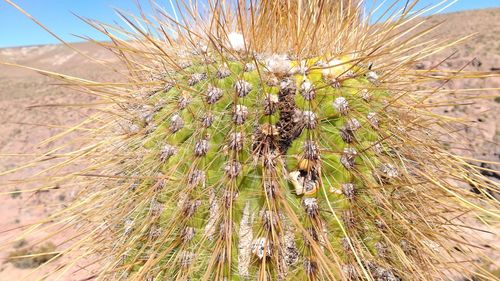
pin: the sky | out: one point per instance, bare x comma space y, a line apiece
17, 30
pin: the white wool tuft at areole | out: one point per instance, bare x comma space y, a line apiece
236, 41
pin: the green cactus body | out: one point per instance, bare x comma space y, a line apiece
279, 151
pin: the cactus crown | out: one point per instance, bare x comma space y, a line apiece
269, 140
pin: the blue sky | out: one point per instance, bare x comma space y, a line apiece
17, 30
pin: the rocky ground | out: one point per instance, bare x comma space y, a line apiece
31, 112
25, 124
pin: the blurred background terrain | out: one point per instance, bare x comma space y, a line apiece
34, 108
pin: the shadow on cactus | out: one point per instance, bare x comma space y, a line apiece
271, 140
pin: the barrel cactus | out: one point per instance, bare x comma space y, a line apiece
269, 140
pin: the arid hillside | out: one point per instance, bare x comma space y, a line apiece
480, 52
34, 108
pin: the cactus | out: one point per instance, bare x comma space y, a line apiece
281, 141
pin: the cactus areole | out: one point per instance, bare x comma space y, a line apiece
268, 140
